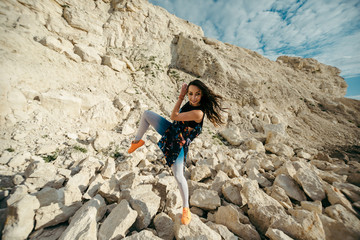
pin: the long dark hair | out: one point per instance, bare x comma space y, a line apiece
209, 103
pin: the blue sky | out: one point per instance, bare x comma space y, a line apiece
327, 30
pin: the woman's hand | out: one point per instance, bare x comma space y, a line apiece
183, 91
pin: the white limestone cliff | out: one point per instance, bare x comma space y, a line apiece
75, 77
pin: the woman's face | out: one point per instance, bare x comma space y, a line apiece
194, 95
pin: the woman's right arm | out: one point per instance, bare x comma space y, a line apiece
176, 109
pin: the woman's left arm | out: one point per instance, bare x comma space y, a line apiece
194, 115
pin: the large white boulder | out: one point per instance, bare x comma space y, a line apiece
190, 56
109, 189
195, 229
40, 174
69, 201
219, 180
200, 172
87, 53
230, 217
308, 225
263, 209
83, 225
223, 231
311, 183
20, 219
336, 197
109, 168
280, 195
80, 18
114, 63
61, 103
81, 179
231, 191
143, 200
341, 214
335, 229
116, 225
164, 226
18, 160
143, 235
279, 149
19, 192
205, 199
276, 234
291, 188
95, 184
231, 135
253, 144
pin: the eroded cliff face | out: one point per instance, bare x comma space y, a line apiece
95, 50
75, 77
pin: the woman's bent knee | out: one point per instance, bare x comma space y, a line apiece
146, 112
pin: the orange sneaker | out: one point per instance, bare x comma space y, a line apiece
186, 216
135, 146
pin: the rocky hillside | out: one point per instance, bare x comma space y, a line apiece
75, 76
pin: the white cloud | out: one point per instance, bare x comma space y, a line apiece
344, 54
210, 29
354, 97
328, 30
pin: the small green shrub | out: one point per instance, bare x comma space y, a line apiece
219, 139
50, 158
81, 149
116, 154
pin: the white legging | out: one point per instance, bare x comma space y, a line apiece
161, 124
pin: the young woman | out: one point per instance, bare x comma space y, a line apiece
177, 136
